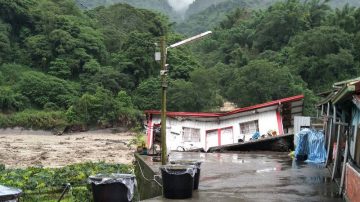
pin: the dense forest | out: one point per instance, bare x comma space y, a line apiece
62, 64
197, 7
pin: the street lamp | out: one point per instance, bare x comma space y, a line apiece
163, 74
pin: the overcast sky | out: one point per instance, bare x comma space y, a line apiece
179, 5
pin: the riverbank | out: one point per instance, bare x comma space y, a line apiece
23, 148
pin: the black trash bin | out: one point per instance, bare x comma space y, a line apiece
178, 181
113, 187
195, 163
9, 194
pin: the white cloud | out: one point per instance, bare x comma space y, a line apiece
180, 5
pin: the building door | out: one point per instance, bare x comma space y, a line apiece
227, 136
211, 139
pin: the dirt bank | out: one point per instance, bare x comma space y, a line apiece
22, 148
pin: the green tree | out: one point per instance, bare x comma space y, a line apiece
279, 23
5, 46
182, 63
11, 101
324, 51
148, 94
140, 49
347, 18
39, 48
59, 68
198, 94
41, 89
261, 81
16, 13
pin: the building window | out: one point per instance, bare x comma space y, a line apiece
191, 134
249, 127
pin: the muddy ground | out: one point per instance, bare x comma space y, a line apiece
21, 148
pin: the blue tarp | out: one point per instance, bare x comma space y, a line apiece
256, 135
310, 146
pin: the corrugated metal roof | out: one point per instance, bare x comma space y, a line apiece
341, 91
240, 110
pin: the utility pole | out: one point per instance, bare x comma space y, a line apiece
164, 86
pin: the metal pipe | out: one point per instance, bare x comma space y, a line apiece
341, 123
66, 189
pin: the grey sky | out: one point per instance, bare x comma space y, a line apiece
180, 5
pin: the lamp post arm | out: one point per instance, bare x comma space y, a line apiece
189, 40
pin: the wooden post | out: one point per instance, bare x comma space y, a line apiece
341, 187
163, 74
337, 155
332, 133
329, 138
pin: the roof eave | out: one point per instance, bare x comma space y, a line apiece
344, 94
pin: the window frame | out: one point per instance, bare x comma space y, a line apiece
191, 136
249, 130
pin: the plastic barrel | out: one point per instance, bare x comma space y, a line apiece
9, 194
113, 188
178, 181
197, 164
109, 192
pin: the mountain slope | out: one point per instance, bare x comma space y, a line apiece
161, 6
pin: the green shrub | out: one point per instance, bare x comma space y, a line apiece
46, 184
81, 194
34, 119
11, 101
41, 89
2, 79
2, 167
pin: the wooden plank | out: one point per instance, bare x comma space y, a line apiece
337, 155
341, 187
329, 150
357, 146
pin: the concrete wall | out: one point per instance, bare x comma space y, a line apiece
146, 188
352, 183
267, 121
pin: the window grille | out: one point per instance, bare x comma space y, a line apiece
249, 127
191, 134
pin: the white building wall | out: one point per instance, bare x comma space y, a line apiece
267, 121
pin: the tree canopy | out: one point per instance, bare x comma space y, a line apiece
96, 66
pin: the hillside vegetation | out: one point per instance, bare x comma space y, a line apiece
205, 15
288, 48
62, 66
195, 8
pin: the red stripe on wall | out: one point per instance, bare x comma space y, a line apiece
219, 137
149, 131
280, 123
